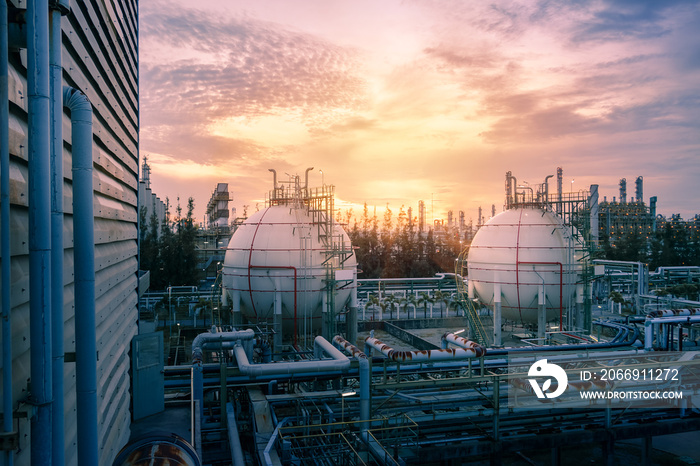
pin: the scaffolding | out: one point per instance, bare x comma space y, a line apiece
318, 203
217, 208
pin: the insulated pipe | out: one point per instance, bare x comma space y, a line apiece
649, 328
204, 339
237, 458
274, 179
57, 321
277, 318
306, 177
338, 363
84, 285
39, 229
351, 319
448, 337
546, 188
425, 355
5, 234
618, 342
236, 307
497, 315
542, 312
674, 313
364, 377
220, 337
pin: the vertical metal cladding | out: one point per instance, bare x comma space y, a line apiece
102, 62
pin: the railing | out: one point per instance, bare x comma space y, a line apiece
341, 443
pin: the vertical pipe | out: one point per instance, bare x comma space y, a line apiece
496, 314
5, 234
365, 381
84, 258
198, 385
541, 314
39, 228
277, 318
236, 307
352, 315
325, 327
648, 335
57, 417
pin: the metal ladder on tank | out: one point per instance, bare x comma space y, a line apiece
477, 328
320, 204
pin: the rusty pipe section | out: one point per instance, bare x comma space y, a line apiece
674, 313
452, 354
448, 337
349, 348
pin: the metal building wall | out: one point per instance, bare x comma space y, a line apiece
100, 57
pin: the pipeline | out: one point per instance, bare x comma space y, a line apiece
84, 285
209, 338
338, 362
237, 458
365, 380
448, 337
198, 344
621, 340
39, 229
5, 234
690, 318
451, 354
674, 313
58, 9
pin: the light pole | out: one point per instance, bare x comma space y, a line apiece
322, 181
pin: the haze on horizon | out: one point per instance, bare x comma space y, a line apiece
401, 101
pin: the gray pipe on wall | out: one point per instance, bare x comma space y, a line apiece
8, 455
39, 229
84, 259
57, 321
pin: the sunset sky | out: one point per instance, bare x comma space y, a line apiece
398, 101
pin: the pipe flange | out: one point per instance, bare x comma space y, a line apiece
63, 6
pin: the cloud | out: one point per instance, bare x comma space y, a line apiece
623, 20
246, 68
437, 94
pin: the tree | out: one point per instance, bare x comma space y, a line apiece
391, 302
170, 256
423, 300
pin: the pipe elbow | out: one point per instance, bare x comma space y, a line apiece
76, 100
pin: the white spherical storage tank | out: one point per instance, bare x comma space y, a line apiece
277, 256
522, 250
